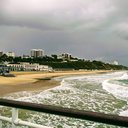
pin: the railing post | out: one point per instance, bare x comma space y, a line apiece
14, 117
0, 123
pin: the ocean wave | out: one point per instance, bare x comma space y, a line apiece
124, 76
117, 90
79, 92
124, 113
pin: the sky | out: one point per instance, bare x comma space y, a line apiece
88, 29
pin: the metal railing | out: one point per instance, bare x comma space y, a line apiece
73, 113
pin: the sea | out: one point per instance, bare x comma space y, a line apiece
104, 92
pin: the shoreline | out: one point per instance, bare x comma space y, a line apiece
36, 81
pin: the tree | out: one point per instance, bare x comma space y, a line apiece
54, 56
3, 58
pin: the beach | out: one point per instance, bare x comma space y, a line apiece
95, 91
35, 81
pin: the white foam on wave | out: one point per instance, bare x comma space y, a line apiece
100, 78
80, 78
64, 85
120, 92
124, 76
117, 90
124, 113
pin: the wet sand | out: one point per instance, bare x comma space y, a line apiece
35, 81
35, 86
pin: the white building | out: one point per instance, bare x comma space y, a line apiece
37, 53
65, 56
115, 63
29, 67
10, 54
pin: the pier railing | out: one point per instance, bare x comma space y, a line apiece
73, 113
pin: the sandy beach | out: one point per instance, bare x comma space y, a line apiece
34, 81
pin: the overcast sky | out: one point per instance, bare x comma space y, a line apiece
89, 29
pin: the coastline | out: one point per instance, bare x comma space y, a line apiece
36, 81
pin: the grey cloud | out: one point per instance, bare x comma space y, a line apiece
65, 14
86, 29
25, 38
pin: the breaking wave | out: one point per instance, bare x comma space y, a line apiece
118, 87
100, 93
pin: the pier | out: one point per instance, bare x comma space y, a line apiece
73, 113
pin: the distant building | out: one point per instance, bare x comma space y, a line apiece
26, 56
65, 56
10, 54
1, 53
37, 53
115, 63
28, 67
